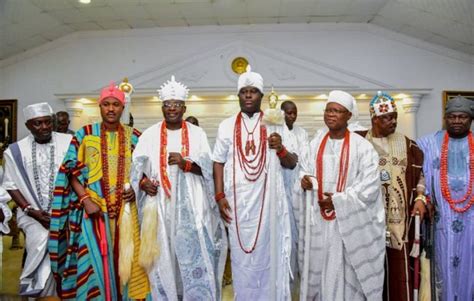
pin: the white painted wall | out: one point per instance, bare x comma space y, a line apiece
295, 58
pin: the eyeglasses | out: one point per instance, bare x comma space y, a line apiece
173, 105
335, 111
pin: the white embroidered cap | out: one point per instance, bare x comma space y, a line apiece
173, 90
249, 78
37, 110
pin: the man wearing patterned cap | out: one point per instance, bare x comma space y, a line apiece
242, 192
31, 165
341, 223
94, 220
449, 172
400, 164
172, 162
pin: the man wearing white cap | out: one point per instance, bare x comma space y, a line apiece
400, 167
242, 192
31, 165
172, 162
342, 218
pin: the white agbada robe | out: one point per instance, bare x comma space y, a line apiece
251, 272
36, 276
191, 236
346, 254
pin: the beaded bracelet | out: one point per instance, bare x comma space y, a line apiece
83, 197
422, 198
219, 196
282, 153
141, 182
187, 166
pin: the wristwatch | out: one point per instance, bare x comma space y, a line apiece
27, 209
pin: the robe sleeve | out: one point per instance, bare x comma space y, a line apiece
4, 198
10, 177
221, 147
66, 215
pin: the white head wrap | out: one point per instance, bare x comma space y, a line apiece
249, 78
37, 110
346, 100
173, 90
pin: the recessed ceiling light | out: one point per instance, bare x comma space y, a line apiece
85, 1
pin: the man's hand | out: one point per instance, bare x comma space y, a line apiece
420, 208
150, 187
128, 195
92, 209
41, 216
326, 204
306, 183
176, 159
225, 210
431, 211
274, 142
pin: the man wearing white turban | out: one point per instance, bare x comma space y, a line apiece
341, 221
242, 192
31, 165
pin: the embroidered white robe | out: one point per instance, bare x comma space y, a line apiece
36, 277
346, 255
191, 235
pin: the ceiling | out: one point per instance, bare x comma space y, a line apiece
25, 24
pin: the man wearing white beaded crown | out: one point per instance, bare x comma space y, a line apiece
241, 159
31, 165
173, 165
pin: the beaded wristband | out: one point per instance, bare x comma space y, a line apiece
422, 198
141, 182
83, 197
219, 196
187, 166
282, 153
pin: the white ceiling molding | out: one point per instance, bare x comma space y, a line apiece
25, 24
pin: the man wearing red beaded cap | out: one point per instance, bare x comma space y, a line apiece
449, 173
93, 255
342, 223
184, 242
403, 190
241, 158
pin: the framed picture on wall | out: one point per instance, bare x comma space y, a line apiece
447, 95
8, 123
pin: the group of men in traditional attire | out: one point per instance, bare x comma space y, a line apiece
111, 213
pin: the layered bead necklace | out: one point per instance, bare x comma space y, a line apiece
112, 209
343, 170
165, 181
251, 168
45, 205
443, 171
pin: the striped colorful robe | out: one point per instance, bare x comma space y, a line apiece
76, 260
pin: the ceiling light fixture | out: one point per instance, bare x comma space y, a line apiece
85, 1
